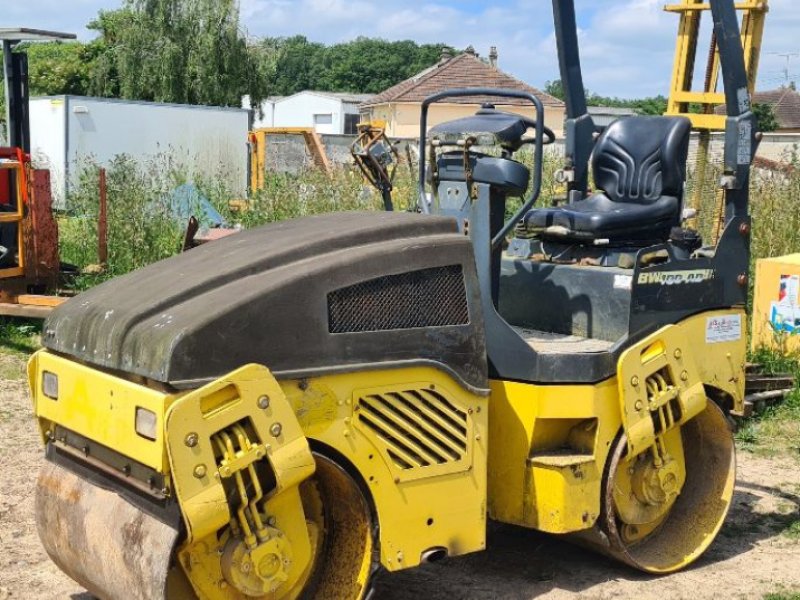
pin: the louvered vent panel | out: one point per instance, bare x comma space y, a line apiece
435, 297
417, 429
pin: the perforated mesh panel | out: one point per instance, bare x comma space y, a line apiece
427, 298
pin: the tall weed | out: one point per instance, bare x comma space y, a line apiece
142, 227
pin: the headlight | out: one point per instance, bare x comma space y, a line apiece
146, 423
50, 385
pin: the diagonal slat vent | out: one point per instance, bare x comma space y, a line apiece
417, 428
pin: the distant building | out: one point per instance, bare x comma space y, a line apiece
400, 105
785, 103
326, 112
603, 116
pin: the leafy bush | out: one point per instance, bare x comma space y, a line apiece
141, 229
285, 196
19, 336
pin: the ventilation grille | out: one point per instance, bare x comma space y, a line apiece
417, 429
434, 297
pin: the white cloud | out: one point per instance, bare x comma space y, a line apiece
627, 45
54, 15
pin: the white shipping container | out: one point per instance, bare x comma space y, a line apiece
68, 130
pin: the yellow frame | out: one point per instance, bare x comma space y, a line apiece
258, 150
686, 52
16, 217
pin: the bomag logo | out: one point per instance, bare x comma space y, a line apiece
675, 277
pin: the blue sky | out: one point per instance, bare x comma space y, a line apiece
627, 45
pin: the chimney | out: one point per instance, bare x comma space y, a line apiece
446, 55
493, 57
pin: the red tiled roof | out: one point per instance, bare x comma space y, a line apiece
785, 103
465, 70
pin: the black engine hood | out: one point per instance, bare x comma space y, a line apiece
261, 296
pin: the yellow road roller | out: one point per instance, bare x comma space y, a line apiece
283, 412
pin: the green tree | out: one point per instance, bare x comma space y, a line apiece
111, 26
298, 64
366, 65
372, 65
556, 89
765, 116
188, 51
655, 105
58, 68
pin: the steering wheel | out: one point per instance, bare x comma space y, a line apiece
538, 141
548, 137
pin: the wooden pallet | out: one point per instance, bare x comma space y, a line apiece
30, 306
763, 391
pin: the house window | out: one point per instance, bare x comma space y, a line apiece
323, 119
351, 124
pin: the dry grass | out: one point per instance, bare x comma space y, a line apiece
143, 229
18, 339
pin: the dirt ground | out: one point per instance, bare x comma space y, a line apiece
758, 551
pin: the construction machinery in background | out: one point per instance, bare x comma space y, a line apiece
259, 150
259, 143
377, 158
29, 263
285, 411
761, 390
684, 100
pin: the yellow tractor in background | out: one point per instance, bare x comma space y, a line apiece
285, 411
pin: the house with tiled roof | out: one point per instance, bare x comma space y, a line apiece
785, 104
400, 105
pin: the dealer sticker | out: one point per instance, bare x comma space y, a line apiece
623, 282
723, 329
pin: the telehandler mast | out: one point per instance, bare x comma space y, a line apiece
285, 411
29, 263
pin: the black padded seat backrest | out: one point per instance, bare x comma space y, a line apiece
639, 160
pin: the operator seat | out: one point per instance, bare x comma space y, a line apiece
639, 166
